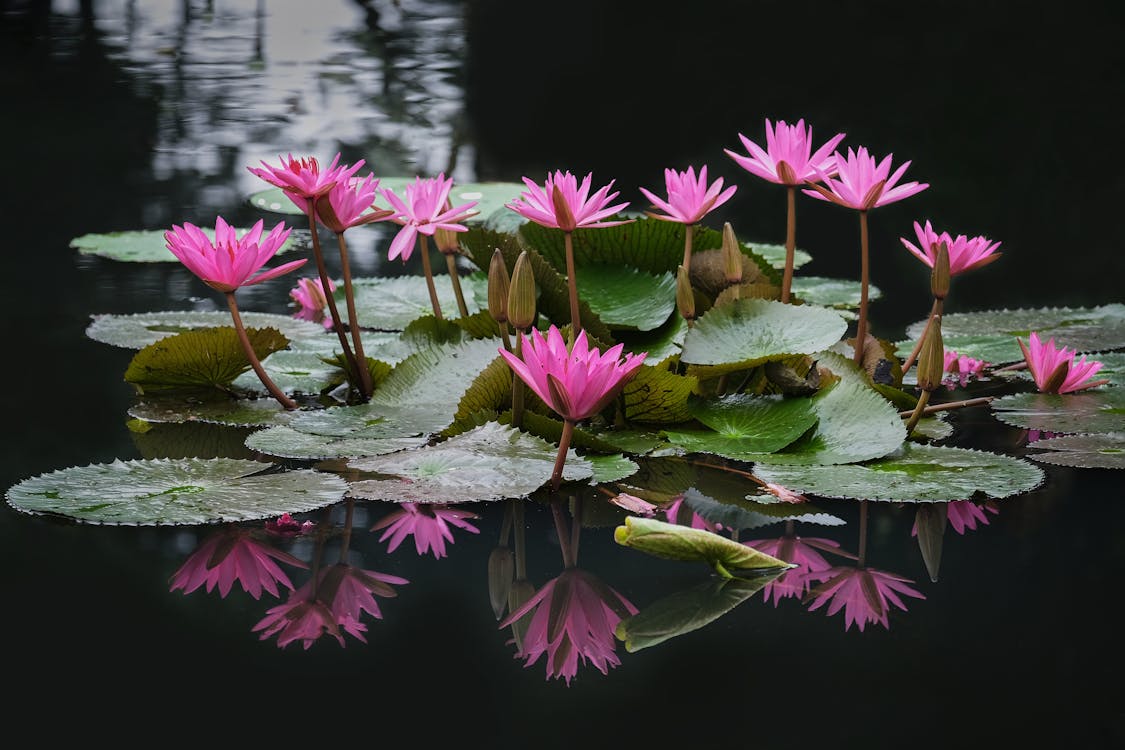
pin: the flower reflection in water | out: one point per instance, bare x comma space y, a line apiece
429, 524
679, 512
964, 514
801, 551
573, 616
864, 593
235, 554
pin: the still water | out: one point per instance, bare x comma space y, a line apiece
138, 115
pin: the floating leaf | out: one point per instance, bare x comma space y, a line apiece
657, 396
175, 491
1096, 410
627, 297
491, 462
391, 303
748, 332
775, 255
827, 292
611, 468
1104, 451
221, 410
744, 423
149, 246
208, 358
139, 330
688, 610
659, 344
674, 542
285, 442
915, 473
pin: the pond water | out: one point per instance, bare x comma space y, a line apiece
137, 115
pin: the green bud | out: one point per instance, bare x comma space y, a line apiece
939, 278
501, 573
931, 357
672, 541
499, 285
732, 255
521, 295
685, 297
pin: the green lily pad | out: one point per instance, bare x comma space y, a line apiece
827, 292
491, 462
993, 348
206, 358
149, 245
657, 396
659, 344
745, 423
627, 297
490, 196
141, 329
748, 332
915, 473
391, 303
675, 542
1103, 451
688, 610
258, 412
1097, 410
610, 468
775, 255
283, 441
175, 491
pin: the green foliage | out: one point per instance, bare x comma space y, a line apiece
207, 358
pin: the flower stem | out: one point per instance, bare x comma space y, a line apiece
353, 321
689, 235
861, 557
240, 329
560, 458
934, 312
337, 323
517, 388
790, 241
429, 276
949, 406
455, 278
572, 286
563, 533
915, 415
864, 277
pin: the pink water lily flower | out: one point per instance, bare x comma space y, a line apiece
802, 552
302, 180
428, 523
865, 594
574, 207
233, 555
576, 383
423, 211
862, 182
788, 158
332, 601
573, 620
1056, 370
965, 254
351, 203
230, 261
310, 297
690, 198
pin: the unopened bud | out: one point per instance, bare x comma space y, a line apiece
732, 255
498, 287
931, 357
501, 573
685, 297
939, 278
520, 594
521, 295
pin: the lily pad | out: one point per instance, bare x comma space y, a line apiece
141, 329
283, 441
1104, 451
391, 303
827, 292
491, 462
148, 245
675, 542
775, 255
206, 358
657, 396
745, 423
1097, 410
748, 332
175, 491
258, 412
627, 297
915, 473
659, 344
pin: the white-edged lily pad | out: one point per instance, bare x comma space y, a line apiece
775, 255
255, 412
748, 332
175, 491
149, 246
283, 441
1102, 451
490, 462
627, 297
915, 473
828, 292
391, 303
745, 423
138, 330
1097, 410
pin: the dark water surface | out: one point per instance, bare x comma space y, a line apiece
138, 115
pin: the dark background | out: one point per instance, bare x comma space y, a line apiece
1011, 111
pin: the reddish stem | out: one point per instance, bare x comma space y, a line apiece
240, 329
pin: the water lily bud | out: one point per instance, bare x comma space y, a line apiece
931, 357
521, 592
521, 295
499, 285
732, 255
939, 278
685, 297
446, 240
501, 573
